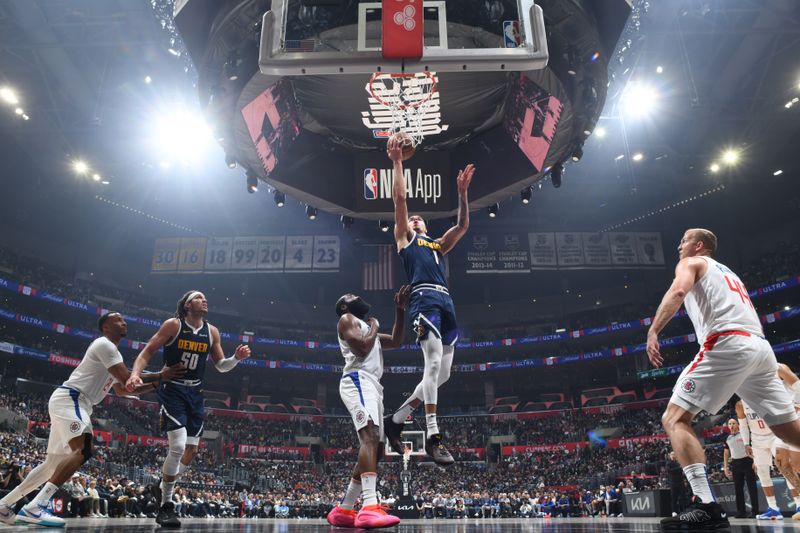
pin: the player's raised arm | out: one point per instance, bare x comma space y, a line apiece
151, 381
168, 331
395, 340
454, 234
401, 230
350, 332
218, 356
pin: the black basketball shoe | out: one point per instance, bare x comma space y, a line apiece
166, 516
698, 516
392, 430
436, 450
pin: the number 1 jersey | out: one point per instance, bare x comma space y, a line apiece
190, 348
423, 261
719, 302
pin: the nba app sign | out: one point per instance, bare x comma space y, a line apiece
419, 184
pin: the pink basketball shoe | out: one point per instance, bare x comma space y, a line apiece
339, 517
373, 516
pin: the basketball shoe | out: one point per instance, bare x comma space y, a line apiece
699, 515
7, 515
436, 451
37, 515
392, 431
373, 516
339, 517
166, 516
771, 514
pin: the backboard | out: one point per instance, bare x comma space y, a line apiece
345, 37
413, 440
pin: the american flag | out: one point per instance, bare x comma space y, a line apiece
299, 45
379, 267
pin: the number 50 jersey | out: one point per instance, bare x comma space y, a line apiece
190, 348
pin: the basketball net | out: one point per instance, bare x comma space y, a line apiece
408, 97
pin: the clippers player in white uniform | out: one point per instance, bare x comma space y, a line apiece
70, 409
734, 358
362, 394
763, 446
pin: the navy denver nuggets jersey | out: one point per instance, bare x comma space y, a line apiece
191, 350
423, 261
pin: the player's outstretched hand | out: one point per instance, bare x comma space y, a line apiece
242, 352
133, 382
464, 178
401, 297
172, 372
654, 350
394, 149
372, 321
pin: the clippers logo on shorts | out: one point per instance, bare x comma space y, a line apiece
361, 417
74, 427
688, 385
370, 183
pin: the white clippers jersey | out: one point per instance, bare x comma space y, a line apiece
754, 422
91, 377
719, 302
792, 394
372, 363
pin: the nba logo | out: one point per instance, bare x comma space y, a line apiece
511, 34
370, 183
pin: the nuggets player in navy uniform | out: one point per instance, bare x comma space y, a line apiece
430, 306
188, 340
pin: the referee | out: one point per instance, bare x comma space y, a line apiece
742, 467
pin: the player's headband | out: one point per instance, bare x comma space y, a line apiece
191, 297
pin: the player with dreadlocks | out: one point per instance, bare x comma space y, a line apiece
188, 340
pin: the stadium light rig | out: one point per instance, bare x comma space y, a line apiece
9, 96
347, 222
383, 225
311, 212
279, 198
525, 195
556, 173
730, 156
493, 210
639, 99
252, 182
80, 166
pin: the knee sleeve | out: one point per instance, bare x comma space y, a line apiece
763, 475
177, 445
432, 352
447, 363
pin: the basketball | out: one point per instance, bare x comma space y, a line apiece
407, 143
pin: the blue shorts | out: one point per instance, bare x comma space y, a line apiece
181, 406
432, 311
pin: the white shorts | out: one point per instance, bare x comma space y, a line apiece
69, 418
735, 362
362, 395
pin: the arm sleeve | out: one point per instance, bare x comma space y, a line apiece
745, 430
226, 365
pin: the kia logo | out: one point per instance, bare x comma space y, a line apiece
405, 508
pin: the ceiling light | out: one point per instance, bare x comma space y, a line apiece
383, 225
714, 167
619, 157
182, 135
9, 96
105, 182
230, 161
638, 99
788, 104
96, 177
638, 156
80, 166
279, 198
148, 79
525, 195
346, 221
311, 212
252, 182
493, 210
600, 132
577, 154
19, 111
25, 117
164, 164
659, 69
730, 156
777, 172
556, 173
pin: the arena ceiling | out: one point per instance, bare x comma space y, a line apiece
728, 67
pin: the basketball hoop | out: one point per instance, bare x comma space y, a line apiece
408, 97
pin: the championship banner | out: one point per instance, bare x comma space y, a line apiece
497, 253
249, 254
